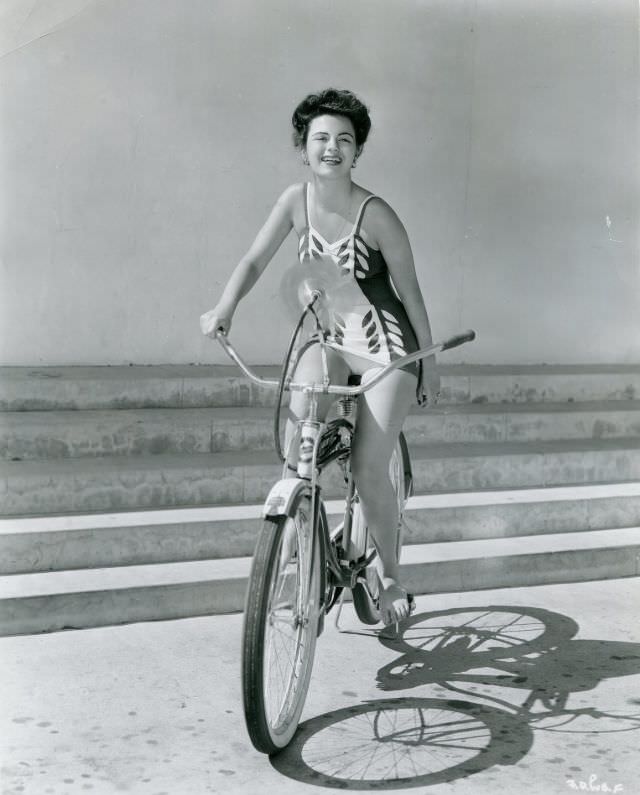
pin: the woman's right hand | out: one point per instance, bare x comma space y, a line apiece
215, 321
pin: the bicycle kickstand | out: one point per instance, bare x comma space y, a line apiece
336, 621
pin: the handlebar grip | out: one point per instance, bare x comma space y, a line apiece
458, 339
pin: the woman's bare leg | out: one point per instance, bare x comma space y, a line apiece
381, 414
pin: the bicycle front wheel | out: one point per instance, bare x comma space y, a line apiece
280, 626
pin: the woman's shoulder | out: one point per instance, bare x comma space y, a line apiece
289, 201
292, 194
380, 215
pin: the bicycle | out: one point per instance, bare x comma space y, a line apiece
300, 568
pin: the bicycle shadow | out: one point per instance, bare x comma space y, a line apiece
402, 743
499, 650
547, 670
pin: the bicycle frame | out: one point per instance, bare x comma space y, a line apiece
307, 439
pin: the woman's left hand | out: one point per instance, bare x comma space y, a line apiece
429, 386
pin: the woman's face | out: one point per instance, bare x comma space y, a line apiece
331, 146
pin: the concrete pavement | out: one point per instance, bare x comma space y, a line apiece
520, 690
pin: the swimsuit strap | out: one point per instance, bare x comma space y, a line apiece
358, 223
306, 199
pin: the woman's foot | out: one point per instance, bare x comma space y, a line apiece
394, 602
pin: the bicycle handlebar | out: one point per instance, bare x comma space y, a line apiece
351, 391
458, 339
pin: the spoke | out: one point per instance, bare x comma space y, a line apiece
278, 634
437, 737
407, 755
286, 636
386, 715
487, 626
280, 656
386, 752
288, 675
476, 618
331, 756
515, 620
461, 747
273, 685
365, 761
285, 658
403, 751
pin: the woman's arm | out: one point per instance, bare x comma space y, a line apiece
391, 236
384, 225
251, 266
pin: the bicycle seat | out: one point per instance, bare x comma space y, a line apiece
354, 380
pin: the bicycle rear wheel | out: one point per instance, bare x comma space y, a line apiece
366, 592
280, 626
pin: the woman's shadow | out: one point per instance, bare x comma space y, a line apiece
524, 661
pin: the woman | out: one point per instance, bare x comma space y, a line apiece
363, 238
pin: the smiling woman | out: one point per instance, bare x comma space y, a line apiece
381, 316
332, 102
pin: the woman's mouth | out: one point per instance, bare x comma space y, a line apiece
332, 161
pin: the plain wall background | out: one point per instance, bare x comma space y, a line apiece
144, 142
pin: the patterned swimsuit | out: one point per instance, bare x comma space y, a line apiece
371, 321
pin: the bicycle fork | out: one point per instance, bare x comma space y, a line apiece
287, 491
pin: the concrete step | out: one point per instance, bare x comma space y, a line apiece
54, 543
36, 435
33, 603
191, 386
137, 386
137, 482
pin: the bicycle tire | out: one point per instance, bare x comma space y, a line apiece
366, 591
282, 607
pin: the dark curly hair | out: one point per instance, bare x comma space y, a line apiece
333, 102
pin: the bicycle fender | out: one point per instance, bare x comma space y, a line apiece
282, 495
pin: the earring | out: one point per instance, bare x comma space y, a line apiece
355, 160
305, 160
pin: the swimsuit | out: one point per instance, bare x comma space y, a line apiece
370, 321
